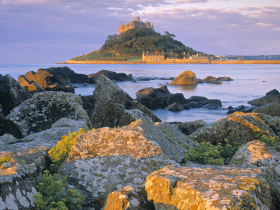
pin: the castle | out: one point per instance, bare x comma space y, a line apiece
136, 23
146, 56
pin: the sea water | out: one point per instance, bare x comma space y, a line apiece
249, 82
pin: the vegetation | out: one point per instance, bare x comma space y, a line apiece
53, 195
269, 140
61, 151
132, 43
208, 154
5, 159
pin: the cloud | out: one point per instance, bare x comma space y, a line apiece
190, 1
265, 24
275, 29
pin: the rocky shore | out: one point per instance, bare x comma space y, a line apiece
132, 160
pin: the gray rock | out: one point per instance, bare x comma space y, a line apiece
110, 103
272, 92
224, 79
265, 100
270, 109
106, 159
43, 109
188, 128
209, 187
11, 93
8, 139
175, 107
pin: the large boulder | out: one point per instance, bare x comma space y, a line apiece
159, 98
238, 128
241, 108
185, 78
120, 77
11, 93
110, 104
108, 159
270, 109
257, 154
209, 188
224, 78
43, 109
28, 159
53, 78
210, 79
265, 100
272, 92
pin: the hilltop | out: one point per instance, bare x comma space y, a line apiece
130, 45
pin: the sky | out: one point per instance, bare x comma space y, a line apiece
51, 31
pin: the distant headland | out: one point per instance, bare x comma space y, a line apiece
138, 43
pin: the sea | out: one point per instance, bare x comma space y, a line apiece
250, 81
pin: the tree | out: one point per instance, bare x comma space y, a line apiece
169, 35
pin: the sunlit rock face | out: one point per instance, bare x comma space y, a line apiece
256, 153
238, 128
28, 158
208, 187
108, 159
43, 109
128, 198
185, 78
270, 109
110, 105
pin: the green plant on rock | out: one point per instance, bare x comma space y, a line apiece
53, 195
208, 154
5, 159
269, 140
62, 149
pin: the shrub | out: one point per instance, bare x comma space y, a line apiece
62, 149
208, 154
53, 195
269, 140
5, 159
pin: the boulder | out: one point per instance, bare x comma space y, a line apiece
110, 103
175, 107
128, 198
238, 128
7, 139
52, 79
88, 104
265, 100
211, 104
272, 93
106, 159
20, 175
188, 128
210, 79
224, 79
43, 109
11, 93
120, 77
217, 82
185, 78
1, 113
158, 98
257, 154
209, 187
270, 109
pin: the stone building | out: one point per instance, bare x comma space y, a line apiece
136, 23
146, 56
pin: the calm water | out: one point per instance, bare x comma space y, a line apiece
249, 82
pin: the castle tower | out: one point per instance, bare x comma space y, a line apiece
137, 19
136, 23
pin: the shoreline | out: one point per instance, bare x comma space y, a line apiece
176, 61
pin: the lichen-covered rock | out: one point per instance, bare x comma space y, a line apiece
265, 100
110, 103
209, 187
11, 93
128, 198
131, 115
20, 175
111, 75
106, 159
270, 109
256, 153
88, 104
188, 128
238, 128
8, 139
43, 109
185, 78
